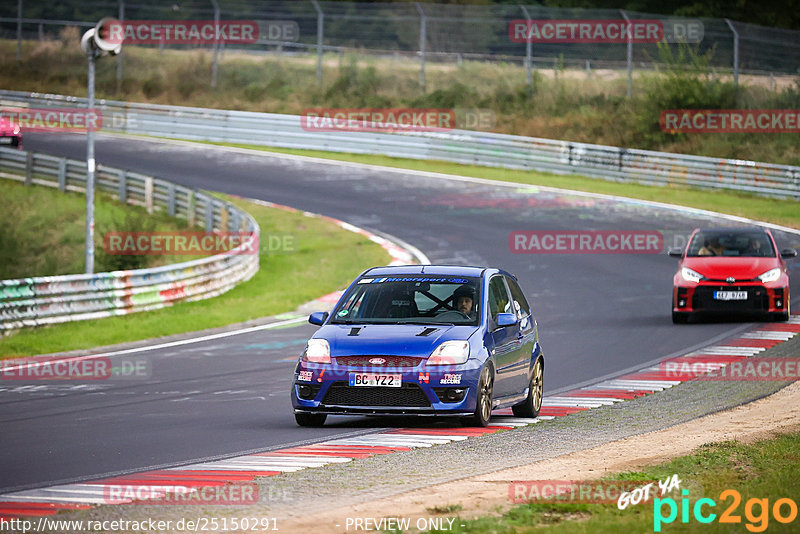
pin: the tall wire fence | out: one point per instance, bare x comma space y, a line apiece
426, 32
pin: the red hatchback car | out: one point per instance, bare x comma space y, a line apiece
10, 134
731, 271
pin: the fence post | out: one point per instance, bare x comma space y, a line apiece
216, 45
28, 168
320, 35
422, 33
123, 186
630, 51
119, 55
735, 53
19, 30
528, 53
62, 174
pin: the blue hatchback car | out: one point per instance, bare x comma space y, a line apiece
422, 340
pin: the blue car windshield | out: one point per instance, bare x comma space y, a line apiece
411, 299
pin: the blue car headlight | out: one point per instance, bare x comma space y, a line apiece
450, 353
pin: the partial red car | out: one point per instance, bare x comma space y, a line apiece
731, 271
10, 134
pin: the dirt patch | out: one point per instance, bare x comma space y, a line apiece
488, 494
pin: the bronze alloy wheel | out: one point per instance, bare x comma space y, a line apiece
483, 405
533, 402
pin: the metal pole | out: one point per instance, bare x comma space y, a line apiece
119, 56
528, 53
19, 30
216, 45
735, 53
90, 168
630, 51
320, 34
422, 32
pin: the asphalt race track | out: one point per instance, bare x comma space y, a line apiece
598, 313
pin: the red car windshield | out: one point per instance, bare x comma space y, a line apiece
739, 243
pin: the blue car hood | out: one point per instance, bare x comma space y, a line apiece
400, 340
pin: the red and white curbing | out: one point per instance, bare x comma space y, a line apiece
49, 501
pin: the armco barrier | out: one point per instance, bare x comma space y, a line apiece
57, 299
461, 146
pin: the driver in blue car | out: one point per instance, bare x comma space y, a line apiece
464, 300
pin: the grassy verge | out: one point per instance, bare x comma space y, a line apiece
323, 258
559, 104
39, 235
784, 212
768, 469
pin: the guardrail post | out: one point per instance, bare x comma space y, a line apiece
569, 153
28, 168
237, 222
190, 207
209, 214
62, 174
320, 35
148, 194
171, 199
223, 218
422, 32
123, 186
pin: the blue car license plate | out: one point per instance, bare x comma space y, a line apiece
373, 379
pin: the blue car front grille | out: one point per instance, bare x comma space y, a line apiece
388, 361
340, 394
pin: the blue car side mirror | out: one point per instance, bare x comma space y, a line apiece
506, 319
318, 318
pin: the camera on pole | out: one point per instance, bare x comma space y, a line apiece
95, 42
97, 39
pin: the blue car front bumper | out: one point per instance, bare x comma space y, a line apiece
424, 390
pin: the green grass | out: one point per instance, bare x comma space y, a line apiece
42, 231
326, 258
560, 104
768, 469
783, 212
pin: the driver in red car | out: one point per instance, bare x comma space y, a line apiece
712, 248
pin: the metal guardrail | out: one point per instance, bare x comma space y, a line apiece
56, 299
460, 146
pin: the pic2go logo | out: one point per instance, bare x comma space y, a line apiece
756, 511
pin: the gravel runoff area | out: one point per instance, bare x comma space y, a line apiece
312, 498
